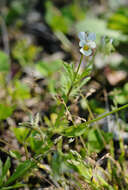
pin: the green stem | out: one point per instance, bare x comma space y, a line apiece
106, 114
81, 58
76, 73
92, 117
26, 151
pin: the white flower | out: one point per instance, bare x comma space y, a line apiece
87, 43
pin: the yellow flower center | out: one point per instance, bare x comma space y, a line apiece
86, 47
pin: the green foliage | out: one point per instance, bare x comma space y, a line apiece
96, 106
21, 170
95, 140
71, 82
4, 169
67, 84
16, 92
70, 11
98, 26
24, 52
64, 144
47, 69
120, 94
21, 133
5, 111
63, 19
67, 77
87, 171
16, 186
16, 9
35, 136
21, 91
15, 154
107, 45
4, 62
119, 20
72, 131
55, 18
59, 165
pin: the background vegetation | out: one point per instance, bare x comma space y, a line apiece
56, 132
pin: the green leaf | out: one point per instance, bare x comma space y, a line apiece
55, 164
57, 22
59, 165
48, 68
86, 72
96, 106
35, 144
120, 95
18, 185
81, 166
15, 154
70, 11
14, 11
1, 172
24, 52
5, 111
69, 69
21, 133
67, 77
95, 142
21, 91
78, 86
119, 20
4, 170
71, 131
6, 167
21, 170
4, 62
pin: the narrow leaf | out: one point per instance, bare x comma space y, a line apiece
13, 186
21, 170
6, 167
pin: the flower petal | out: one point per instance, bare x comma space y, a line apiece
91, 36
82, 43
82, 36
86, 53
91, 44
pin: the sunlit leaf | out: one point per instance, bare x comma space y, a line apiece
5, 111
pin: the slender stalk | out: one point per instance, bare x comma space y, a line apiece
76, 73
26, 151
5, 36
106, 114
83, 143
121, 142
81, 58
